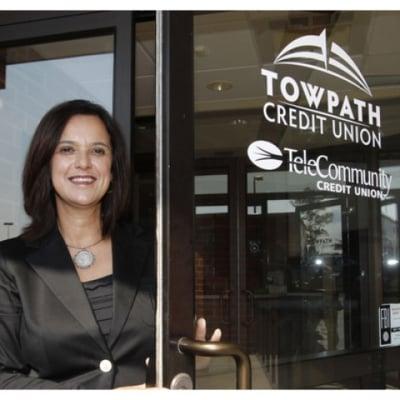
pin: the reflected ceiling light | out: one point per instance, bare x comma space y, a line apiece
391, 262
220, 86
200, 50
318, 261
239, 122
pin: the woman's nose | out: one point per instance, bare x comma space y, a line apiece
82, 160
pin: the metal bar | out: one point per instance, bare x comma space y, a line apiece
218, 349
159, 201
175, 169
62, 28
18, 17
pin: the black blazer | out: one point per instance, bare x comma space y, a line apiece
49, 337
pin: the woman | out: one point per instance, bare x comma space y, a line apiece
77, 287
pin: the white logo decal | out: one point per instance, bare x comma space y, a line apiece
331, 177
305, 106
265, 155
337, 63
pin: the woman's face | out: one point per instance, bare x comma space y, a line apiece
81, 163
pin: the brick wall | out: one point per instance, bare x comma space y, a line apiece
212, 271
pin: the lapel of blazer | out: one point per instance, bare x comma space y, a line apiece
53, 263
129, 258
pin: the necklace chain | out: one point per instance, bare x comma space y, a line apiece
79, 248
85, 247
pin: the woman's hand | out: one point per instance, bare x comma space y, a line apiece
200, 334
201, 362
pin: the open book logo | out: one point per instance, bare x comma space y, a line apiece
311, 51
265, 155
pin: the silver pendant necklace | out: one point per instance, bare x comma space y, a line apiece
84, 258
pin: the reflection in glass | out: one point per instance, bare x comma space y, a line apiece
212, 260
213, 294
390, 251
144, 133
304, 260
295, 270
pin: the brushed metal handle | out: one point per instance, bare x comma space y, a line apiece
224, 304
250, 305
218, 349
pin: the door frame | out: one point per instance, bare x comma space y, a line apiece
28, 27
174, 192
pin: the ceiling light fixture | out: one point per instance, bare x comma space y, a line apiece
239, 122
318, 261
200, 50
392, 262
220, 86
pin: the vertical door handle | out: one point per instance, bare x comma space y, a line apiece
225, 305
250, 306
218, 349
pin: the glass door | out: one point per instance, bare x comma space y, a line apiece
282, 232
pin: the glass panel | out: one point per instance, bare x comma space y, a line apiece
295, 272
144, 128
345, 384
211, 249
35, 78
212, 272
303, 114
211, 184
390, 251
392, 380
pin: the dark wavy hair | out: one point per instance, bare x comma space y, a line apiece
39, 197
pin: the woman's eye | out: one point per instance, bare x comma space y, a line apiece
99, 151
66, 150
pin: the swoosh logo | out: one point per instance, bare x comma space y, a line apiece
265, 155
334, 62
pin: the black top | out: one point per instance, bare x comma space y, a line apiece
100, 295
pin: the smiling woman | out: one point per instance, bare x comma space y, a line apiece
77, 288
81, 176
81, 164
77, 299
69, 136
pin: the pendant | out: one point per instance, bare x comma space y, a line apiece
84, 259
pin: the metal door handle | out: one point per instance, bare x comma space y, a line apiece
250, 304
217, 349
225, 298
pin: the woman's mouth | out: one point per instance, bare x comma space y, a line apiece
82, 179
